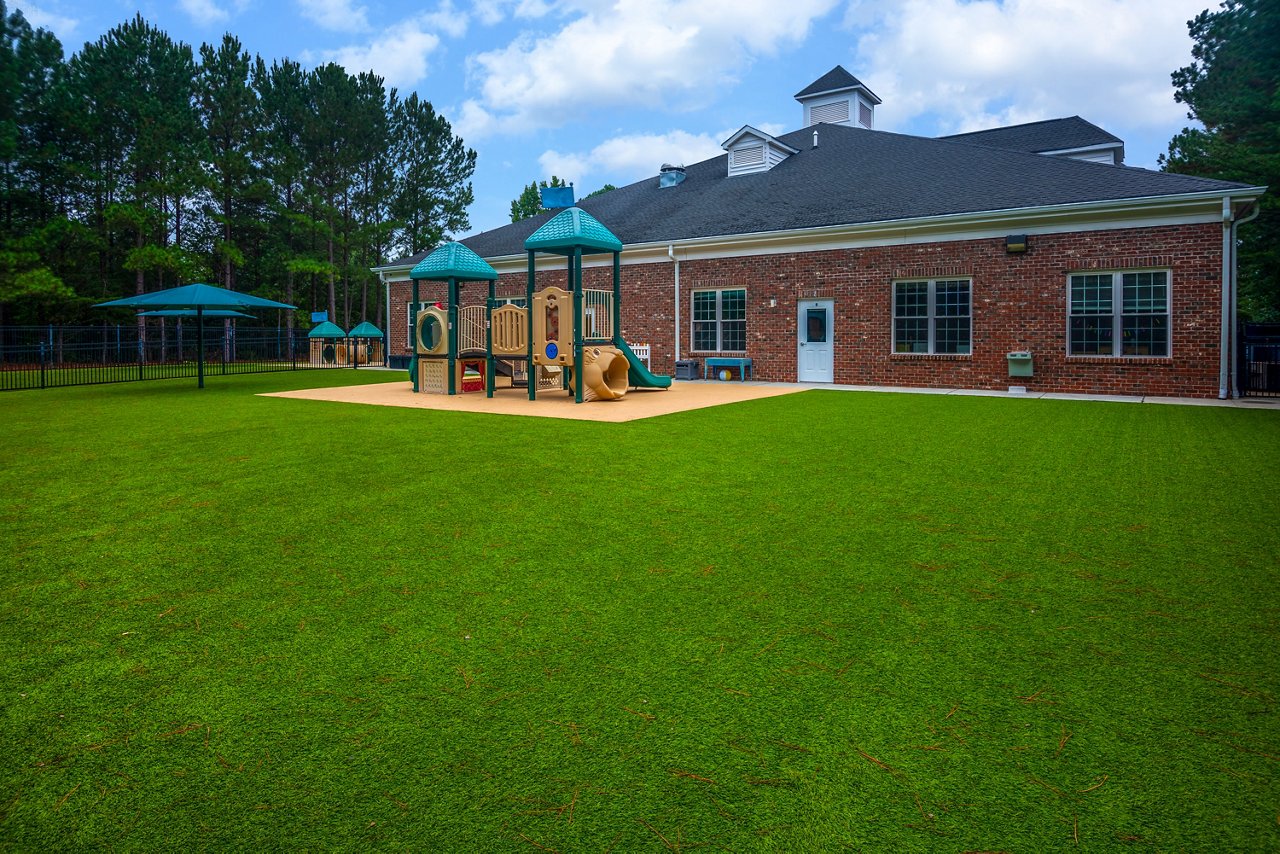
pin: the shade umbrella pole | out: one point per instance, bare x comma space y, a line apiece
200, 345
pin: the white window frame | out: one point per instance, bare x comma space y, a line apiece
1118, 314
930, 318
719, 319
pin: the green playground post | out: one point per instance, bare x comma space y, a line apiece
532, 370
575, 267
453, 333
490, 362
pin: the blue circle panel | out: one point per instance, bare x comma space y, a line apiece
552, 350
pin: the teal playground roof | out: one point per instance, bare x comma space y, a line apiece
327, 329
453, 261
365, 330
573, 228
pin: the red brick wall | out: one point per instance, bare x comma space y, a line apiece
1019, 303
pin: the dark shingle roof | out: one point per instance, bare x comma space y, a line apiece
1048, 135
854, 176
834, 81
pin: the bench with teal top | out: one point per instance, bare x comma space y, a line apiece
742, 363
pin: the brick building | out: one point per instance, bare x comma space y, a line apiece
839, 253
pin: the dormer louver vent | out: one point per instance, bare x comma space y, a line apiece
751, 155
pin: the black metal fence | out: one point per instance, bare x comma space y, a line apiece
1259, 362
53, 356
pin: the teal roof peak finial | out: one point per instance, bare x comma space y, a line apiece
453, 261
573, 228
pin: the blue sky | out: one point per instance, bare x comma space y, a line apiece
597, 91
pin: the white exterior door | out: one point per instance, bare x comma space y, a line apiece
815, 354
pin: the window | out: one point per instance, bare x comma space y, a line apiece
720, 321
1141, 324
932, 316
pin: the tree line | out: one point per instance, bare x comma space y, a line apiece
140, 164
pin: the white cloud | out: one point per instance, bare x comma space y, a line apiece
492, 12
204, 12
674, 53
335, 15
399, 54
60, 25
628, 158
975, 65
447, 19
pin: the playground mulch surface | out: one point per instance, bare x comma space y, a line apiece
635, 405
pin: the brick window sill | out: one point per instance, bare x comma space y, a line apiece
930, 357
1113, 361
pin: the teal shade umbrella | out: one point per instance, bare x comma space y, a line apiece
198, 298
191, 312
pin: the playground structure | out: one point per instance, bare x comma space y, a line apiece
567, 339
329, 345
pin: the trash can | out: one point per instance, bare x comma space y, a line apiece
687, 369
1020, 364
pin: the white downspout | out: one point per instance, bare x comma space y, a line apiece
1224, 356
671, 253
1235, 296
386, 301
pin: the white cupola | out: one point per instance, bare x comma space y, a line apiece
838, 98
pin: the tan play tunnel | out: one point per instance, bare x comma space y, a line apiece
604, 373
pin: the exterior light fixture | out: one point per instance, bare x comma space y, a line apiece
1015, 244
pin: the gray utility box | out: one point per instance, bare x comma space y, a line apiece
687, 369
1020, 364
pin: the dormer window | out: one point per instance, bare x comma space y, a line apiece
752, 150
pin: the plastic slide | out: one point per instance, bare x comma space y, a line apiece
637, 374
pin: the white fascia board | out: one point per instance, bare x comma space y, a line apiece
1147, 212
1083, 149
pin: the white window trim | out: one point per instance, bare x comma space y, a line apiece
931, 317
1117, 316
719, 321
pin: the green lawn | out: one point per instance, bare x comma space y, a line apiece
818, 621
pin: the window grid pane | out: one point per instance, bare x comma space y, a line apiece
704, 335
733, 305
911, 299
1145, 293
1091, 294
1091, 335
952, 299
951, 335
704, 305
911, 335
734, 335
1146, 334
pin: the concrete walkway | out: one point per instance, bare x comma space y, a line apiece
1272, 403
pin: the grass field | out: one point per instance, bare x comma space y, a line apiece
880, 622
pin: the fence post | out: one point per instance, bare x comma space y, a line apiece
141, 344
42, 364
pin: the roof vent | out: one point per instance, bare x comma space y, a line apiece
669, 176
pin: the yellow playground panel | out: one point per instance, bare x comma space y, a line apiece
510, 325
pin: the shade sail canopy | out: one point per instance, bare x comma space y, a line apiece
198, 296
573, 228
365, 330
453, 261
191, 312
328, 329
